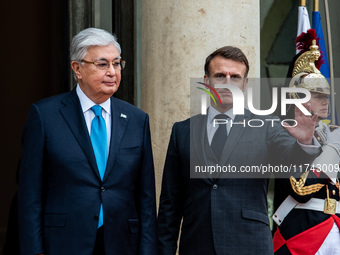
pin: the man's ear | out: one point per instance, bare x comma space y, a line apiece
206, 79
245, 84
76, 69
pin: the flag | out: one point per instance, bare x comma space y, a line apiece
303, 21
316, 23
324, 69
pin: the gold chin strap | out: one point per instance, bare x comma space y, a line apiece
300, 188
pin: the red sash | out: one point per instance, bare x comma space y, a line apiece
309, 241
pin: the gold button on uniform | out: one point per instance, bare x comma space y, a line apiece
333, 192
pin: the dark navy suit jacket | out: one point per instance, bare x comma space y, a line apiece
221, 215
60, 190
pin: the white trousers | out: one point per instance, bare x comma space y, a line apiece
331, 245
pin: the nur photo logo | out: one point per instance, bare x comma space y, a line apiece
238, 99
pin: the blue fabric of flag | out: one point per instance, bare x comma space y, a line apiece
324, 69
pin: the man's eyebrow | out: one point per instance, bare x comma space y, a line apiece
236, 73
232, 74
105, 59
217, 74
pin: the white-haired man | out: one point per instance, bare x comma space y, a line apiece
86, 181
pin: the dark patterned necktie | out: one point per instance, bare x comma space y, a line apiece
220, 137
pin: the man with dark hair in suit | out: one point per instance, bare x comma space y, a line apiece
86, 178
225, 215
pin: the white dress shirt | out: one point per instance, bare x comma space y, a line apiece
212, 112
86, 105
211, 129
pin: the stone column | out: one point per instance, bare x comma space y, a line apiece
81, 17
177, 36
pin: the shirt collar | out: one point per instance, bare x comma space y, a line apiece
86, 103
212, 112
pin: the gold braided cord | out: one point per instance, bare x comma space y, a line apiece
299, 186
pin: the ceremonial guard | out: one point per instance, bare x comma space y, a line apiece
307, 203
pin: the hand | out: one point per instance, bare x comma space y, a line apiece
333, 137
305, 125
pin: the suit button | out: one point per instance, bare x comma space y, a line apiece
96, 218
215, 186
102, 189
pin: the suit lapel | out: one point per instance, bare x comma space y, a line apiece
119, 120
74, 117
198, 129
198, 133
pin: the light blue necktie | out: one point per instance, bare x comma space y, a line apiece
99, 144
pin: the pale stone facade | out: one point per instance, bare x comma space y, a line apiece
177, 36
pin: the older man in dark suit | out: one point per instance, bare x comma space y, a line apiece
86, 179
224, 215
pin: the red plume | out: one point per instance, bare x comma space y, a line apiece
304, 41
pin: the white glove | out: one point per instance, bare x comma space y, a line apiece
333, 137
